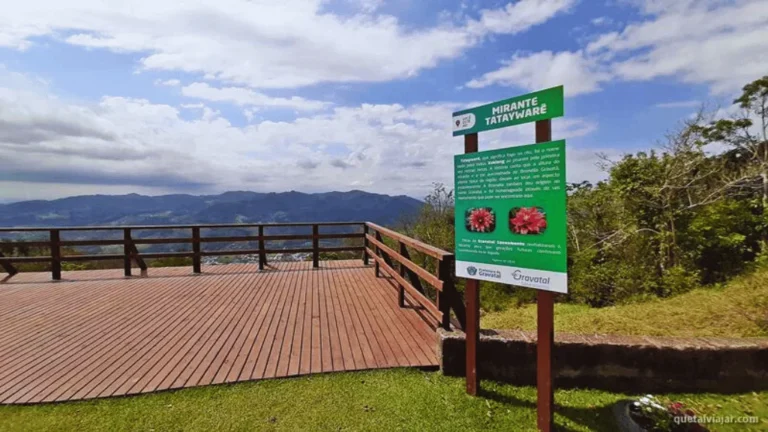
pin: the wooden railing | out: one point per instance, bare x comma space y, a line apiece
131, 252
409, 276
394, 261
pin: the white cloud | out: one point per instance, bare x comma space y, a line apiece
577, 72
712, 42
602, 21
679, 104
519, 16
169, 83
122, 143
263, 43
245, 97
720, 44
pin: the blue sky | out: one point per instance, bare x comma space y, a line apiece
156, 97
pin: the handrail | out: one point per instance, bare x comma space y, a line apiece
409, 274
131, 253
395, 263
188, 226
420, 246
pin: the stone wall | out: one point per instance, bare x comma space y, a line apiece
617, 363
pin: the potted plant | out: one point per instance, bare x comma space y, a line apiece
648, 414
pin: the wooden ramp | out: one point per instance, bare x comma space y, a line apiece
99, 334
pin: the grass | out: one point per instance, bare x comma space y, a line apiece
398, 399
739, 309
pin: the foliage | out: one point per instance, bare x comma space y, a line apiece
398, 399
434, 225
737, 309
663, 222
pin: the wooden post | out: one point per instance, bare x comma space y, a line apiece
472, 293
262, 249
401, 294
444, 297
55, 255
127, 251
315, 246
376, 251
545, 324
9, 268
196, 249
365, 244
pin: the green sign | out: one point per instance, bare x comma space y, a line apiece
510, 216
540, 105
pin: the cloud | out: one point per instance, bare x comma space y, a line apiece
264, 43
544, 69
601, 21
519, 16
169, 83
387, 148
246, 97
711, 42
679, 104
715, 43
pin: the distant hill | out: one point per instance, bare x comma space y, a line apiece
229, 207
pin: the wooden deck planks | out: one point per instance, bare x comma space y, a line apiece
98, 334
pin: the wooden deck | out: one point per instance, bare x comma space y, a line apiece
98, 334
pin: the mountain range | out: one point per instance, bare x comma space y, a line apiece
228, 207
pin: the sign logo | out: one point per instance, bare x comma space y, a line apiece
472, 270
463, 122
536, 280
490, 273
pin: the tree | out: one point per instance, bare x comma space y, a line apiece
747, 140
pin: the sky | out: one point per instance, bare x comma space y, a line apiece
201, 97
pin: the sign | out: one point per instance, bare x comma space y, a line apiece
511, 216
541, 105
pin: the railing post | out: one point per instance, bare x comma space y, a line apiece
262, 249
127, 251
9, 268
401, 294
55, 255
315, 246
376, 264
365, 243
444, 296
196, 249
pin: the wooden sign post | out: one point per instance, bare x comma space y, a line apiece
472, 296
480, 224
545, 327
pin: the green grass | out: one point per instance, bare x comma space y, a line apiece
740, 309
401, 399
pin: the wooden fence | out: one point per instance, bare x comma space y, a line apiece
409, 275
395, 262
131, 252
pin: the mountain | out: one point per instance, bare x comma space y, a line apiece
228, 207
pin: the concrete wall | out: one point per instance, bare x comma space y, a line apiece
617, 363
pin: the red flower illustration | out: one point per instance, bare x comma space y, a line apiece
528, 220
480, 220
